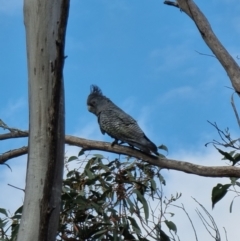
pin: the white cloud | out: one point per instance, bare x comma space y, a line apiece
181, 92
200, 188
170, 58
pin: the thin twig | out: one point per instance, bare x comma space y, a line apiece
215, 228
6, 127
235, 110
224, 136
225, 233
209, 55
17, 187
183, 208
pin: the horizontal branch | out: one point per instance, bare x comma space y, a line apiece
11, 135
164, 163
226, 60
13, 153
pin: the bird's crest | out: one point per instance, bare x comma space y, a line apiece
95, 90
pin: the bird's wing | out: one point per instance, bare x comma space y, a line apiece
119, 125
123, 127
103, 132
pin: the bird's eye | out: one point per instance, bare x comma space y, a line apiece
93, 103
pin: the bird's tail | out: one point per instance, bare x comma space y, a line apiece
145, 145
151, 146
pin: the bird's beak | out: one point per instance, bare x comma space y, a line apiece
89, 108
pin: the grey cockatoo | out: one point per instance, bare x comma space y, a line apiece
116, 123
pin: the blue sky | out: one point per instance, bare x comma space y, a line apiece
142, 54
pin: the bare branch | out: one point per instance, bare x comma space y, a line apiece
13, 153
225, 136
6, 127
226, 60
205, 222
10, 135
183, 208
225, 234
164, 163
16, 187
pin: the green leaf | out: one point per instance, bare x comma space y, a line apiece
81, 200
144, 203
134, 225
3, 224
72, 158
226, 155
231, 205
237, 183
104, 167
97, 208
163, 236
219, 192
89, 174
237, 157
163, 147
15, 231
16, 216
99, 232
171, 225
19, 210
234, 180
81, 152
4, 211
132, 209
161, 179
153, 185
8, 167
99, 156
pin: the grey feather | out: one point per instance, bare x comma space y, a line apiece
116, 123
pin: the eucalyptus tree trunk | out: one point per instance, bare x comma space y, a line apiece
45, 23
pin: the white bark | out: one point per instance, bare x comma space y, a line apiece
45, 23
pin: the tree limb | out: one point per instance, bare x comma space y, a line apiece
16, 134
13, 153
226, 60
164, 163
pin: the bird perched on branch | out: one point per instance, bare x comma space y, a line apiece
116, 123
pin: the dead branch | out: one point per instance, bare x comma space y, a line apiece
13, 153
226, 60
164, 163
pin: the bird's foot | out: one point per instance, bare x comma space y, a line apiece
114, 142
